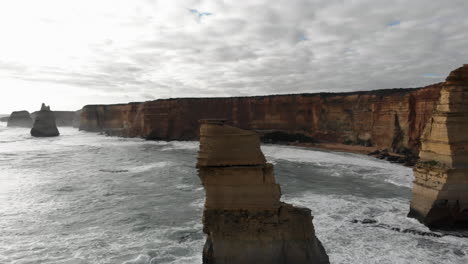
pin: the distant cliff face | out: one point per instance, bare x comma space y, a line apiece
63, 118
392, 119
76, 119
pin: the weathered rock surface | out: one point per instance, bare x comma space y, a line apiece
244, 220
20, 119
388, 119
44, 124
440, 190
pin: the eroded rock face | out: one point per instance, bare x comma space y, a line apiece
44, 124
390, 119
20, 119
244, 220
440, 190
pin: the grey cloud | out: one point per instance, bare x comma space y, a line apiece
254, 47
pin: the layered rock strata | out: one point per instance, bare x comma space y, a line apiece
387, 119
244, 220
440, 189
44, 124
20, 119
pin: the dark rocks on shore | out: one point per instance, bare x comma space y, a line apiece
406, 158
20, 119
375, 223
44, 124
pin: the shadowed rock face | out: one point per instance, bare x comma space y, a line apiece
20, 119
244, 220
388, 119
44, 124
440, 190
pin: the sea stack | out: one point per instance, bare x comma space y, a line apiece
440, 189
20, 119
243, 218
44, 124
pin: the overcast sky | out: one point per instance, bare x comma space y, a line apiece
76, 52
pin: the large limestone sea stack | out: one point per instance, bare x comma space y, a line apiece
44, 124
440, 190
244, 220
20, 119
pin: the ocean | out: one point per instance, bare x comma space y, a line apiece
87, 198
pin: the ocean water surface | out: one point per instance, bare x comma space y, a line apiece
87, 198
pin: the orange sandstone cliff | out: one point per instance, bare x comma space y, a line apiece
440, 189
387, 119
244, 220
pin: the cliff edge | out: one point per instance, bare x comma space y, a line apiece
243, 218
440, 189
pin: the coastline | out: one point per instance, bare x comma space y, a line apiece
407, 161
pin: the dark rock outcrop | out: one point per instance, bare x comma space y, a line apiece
440, 189
20, 119
44, 124
244, 220
385, 119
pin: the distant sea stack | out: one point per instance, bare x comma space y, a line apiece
440, 189
44, 124
20, 119
243, 218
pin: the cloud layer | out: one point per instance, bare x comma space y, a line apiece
70, 53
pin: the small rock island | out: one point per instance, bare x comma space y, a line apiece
44, 124
244, 219
20, 119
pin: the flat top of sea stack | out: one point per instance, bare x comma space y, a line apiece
224, 145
